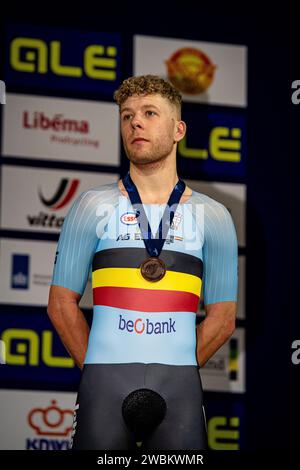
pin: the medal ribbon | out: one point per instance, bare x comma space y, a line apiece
154, 245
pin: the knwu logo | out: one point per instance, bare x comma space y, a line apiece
140, 327
49, 422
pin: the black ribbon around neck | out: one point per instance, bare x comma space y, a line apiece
153, 245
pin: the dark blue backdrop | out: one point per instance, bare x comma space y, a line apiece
272, 318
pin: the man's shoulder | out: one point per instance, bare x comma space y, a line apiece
216, 217
103, 188
214, 212
201, 198
103, 193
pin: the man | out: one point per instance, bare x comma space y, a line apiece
140, 379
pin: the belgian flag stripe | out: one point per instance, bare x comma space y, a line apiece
144, 300
133, 257
130, 277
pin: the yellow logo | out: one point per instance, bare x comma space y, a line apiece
224, 144
28, 347
36, 56
223, 433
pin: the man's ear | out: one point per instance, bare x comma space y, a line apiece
180, 131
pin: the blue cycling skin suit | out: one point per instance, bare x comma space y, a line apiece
143, 334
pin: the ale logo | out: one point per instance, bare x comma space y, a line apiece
62, 59
33, 55
224, 433
26, 347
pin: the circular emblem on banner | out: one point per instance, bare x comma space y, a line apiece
190, 70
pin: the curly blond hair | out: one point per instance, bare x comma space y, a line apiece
148, 85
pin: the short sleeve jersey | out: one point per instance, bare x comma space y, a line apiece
135, 320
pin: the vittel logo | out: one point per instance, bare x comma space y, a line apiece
64, 194
149, 328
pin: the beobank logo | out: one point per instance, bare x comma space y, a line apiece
50, 422
139, 326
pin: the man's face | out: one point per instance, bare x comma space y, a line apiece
148, 128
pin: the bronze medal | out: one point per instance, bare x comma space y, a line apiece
153, 269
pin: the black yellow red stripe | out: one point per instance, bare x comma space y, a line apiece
132, 277
118, 282
146, 300
133, 257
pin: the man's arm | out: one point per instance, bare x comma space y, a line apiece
215, 329
220, 280
69, 321
77, 243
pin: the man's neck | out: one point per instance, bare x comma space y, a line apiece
154, 186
